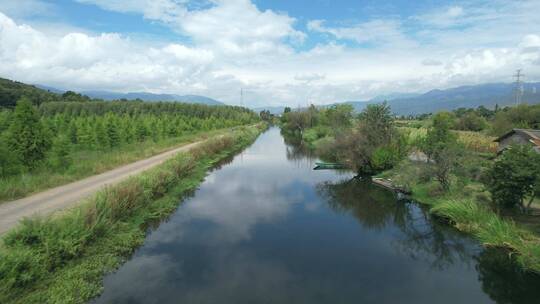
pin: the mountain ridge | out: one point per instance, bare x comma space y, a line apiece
469, 96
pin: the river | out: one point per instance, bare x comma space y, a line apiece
266, 228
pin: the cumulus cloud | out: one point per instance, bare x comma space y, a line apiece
106, 60
231, 26
233, 44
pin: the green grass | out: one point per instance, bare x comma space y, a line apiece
491, 230
88, 163
466, 205
62, 259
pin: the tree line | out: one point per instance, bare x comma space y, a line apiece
45, 136
371, 142
495, 121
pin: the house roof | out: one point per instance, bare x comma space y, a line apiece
532, 135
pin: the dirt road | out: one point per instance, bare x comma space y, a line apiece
69, 195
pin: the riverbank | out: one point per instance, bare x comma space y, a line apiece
466, 206
91, 162
63, 258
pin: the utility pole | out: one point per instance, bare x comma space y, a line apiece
519, 86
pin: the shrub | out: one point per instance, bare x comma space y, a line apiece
514, 176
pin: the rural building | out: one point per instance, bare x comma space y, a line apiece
519, 137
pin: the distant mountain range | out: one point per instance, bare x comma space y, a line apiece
106, 95
152, 97
487, 95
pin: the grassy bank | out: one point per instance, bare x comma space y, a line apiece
90, 162
62, 259
467, 206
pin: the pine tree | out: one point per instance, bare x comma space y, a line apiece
9, 162
60, 152
140, 131
100, 135
85, 137
72, 132
112, 132
26, 136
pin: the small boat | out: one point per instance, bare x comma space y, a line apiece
323, 165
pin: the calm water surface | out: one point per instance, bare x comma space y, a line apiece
266, 228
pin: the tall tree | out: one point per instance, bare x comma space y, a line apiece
441, 146
10, 164
60, 152
374, 144
26, 136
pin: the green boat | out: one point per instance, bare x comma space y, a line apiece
322, 166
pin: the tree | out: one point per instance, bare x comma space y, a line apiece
439, 135
514, 176
60, 152
26, 136
100, 135
297, 120
111, 129
374, 145
441, 147
9, 162
266, 115
339, 117
471, 122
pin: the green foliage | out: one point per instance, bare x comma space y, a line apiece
439, 135
60, 153
514, 176
327, 122
385, 158
492, 230
12, 91
63, 258
375, 144
266, 115
338, 117
10, 163
471, 122
441, 146
521, 116
296, 121
26, 136
103, 126
58, 142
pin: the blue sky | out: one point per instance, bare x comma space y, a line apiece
281, 52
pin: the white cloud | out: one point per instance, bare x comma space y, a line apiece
107, 61
234, 44
234, 27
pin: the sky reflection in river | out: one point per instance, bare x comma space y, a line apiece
268, 229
